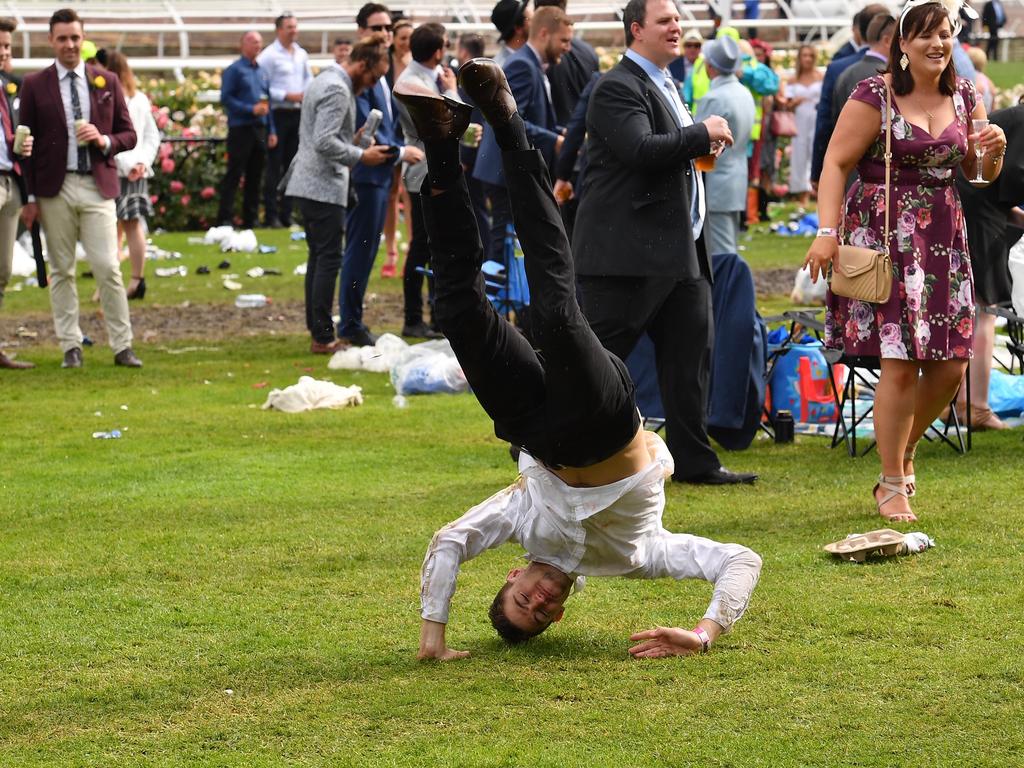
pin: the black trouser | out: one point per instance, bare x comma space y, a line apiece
247, 154
325, 229
569, 402
483, 216
286, 123
992, 46
418, 256
677, 315
501, 217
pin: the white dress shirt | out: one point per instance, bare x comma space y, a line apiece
287, 72
610, 530
69, 111
6, 164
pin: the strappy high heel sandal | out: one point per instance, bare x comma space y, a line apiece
894, 486
911, 480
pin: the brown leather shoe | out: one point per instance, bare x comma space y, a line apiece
72, 358
437, 118
485, 84
16, 365
319, 348
127, 358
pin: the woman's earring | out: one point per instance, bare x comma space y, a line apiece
904, 62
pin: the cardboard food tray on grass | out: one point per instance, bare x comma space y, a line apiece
884, 542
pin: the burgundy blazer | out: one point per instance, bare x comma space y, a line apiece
43, 111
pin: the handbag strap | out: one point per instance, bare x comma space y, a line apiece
888, 162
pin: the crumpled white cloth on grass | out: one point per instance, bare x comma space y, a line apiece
310, 394
230, 240
379, 358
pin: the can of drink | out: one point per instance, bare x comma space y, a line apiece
78, 124
784, 427
21, 133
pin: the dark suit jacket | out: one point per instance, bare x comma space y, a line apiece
846, 83
634, 213
43, 111
989, 17
388, 133
569, 77
824, 125
526, 81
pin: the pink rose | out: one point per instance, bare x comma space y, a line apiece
185, 200
163, 209
167, 165
889, 333
161, 121
176, 186
166, 150
153, 199
207, 193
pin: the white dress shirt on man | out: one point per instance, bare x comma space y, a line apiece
287, 72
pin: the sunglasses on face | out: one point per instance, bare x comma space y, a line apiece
381, 27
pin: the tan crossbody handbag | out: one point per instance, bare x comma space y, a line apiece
864, 273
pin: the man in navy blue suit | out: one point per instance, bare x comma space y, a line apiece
550, 37
365, 221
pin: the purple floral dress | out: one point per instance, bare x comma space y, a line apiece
929, 315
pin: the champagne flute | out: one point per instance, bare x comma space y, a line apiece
979, 152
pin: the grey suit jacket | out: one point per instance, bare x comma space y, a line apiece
320, 170
726, 186
414, 174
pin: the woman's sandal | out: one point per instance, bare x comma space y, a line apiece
911, 480
896, 486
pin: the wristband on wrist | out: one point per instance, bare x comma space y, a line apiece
828, 232
705, 641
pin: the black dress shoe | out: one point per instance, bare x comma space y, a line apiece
361, 338
127, 358
72, 358
421, 331
485, 84
437, 118
14, 365
720, 476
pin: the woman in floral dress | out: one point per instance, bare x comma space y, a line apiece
923, 333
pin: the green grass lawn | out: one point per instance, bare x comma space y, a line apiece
231, 586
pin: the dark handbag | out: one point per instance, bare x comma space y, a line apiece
864, 273
783, 124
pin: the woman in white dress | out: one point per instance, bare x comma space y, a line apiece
803, 91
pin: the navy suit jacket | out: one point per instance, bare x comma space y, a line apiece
388, 133
526, 80
824, 125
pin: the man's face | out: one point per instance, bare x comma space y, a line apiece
251, 45
658, 38
536, 597
378, 22
691, 50
462, 55
5, 48
558, 44
341, 52
288, 32
66, 40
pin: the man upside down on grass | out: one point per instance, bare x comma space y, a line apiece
590, 495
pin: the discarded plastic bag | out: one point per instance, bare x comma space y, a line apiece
428, 368
309, 394
1006, 394
379, 358
244, 241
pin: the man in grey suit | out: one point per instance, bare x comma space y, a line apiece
423, 75
319, 175
726, 185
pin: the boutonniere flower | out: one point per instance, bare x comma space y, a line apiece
100, 81
12, 88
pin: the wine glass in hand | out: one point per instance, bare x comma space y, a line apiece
979, 152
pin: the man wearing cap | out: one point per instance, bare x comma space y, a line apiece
693, 42
640, 259
512, 20
726, 185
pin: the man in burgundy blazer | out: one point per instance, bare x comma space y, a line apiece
79, 118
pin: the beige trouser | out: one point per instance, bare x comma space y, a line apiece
80, 212
10, 205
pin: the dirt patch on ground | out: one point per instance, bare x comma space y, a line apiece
163, 324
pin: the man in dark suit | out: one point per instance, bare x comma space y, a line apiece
638, 245
365, 220
993, 17
571, 74
550, 39
79, 118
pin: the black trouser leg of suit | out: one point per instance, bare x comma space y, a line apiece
569, 402
677, 315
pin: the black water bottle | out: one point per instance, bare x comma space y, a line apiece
784, 427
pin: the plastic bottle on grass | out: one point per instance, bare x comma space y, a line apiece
251, 300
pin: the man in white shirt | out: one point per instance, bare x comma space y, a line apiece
287, 66
590, 495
